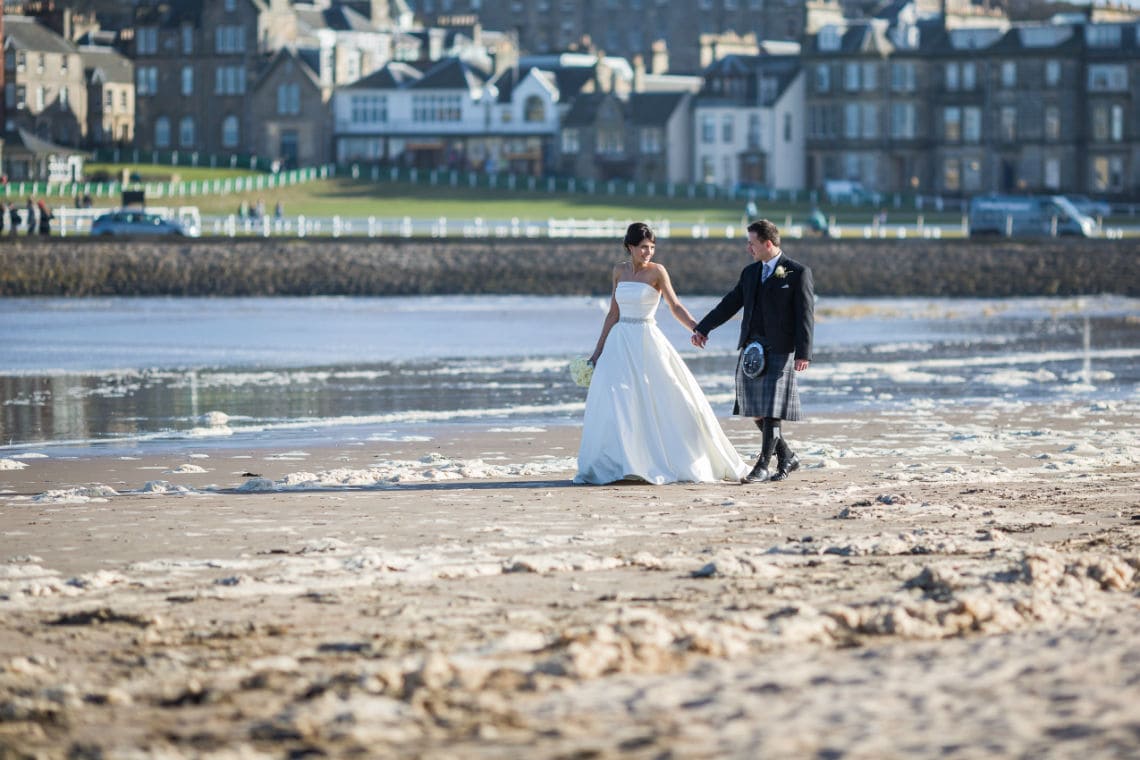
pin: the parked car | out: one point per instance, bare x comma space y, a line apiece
1018, 215
845, 191
131, 222
1090, 207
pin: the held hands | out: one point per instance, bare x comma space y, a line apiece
698, 340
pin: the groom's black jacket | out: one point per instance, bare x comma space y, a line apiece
780, 311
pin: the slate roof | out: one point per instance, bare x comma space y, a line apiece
107, 64
23, 33
451, 74
654, 109
394, 75
338, 18
755, 68
584, 111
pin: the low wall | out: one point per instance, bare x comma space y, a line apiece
225, 267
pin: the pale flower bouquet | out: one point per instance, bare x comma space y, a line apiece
581, 372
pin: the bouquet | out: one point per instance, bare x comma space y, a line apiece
581, 371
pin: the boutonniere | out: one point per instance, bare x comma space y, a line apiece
780, 272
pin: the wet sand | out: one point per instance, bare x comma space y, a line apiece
951, 582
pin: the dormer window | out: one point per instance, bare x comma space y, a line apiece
829, 38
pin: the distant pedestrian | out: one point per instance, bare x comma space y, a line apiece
14, 218
30, 221
45, 218
279, 211
3, 215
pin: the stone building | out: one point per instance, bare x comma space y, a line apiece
628, 28
45, 91
110, 96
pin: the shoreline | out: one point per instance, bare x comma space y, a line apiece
927, 580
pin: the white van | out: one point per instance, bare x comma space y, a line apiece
1021, 215
845, 191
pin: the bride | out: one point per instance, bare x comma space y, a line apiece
646, 417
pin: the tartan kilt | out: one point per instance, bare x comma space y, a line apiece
773, 394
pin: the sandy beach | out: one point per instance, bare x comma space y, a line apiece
944, 581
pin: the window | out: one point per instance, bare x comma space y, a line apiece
231, 5
870, 76
1108, 173
186, 137
870, 118
187, 80
708, 172
288, 99
902, 120
610, 141
108, 101
187, 40
1116, 126
754, 131
952, 81
708, 130
436, 108
823, 78
146, 40
651, 140
229, 80
1009, 74
971, 175
570, 143
969, 76
230, 131
951, 175
787, 127
851, 121
1053, 173
1102, 36
726, 130
1107, 77
972, 124
146, 80
42, 60
162, 132
1008, 123
1052, 73
21, 61
63, 63
851, 77
902, 77
534, 110
1052, 123
123, 100
229, 39
952, 124
369, 109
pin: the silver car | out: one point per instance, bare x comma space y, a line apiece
127, 222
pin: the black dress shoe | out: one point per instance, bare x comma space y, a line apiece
758, 474
783, 468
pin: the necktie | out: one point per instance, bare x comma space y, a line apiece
764, 272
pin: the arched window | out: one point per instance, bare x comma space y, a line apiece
162, 132
186, 136
535, 109
230, 131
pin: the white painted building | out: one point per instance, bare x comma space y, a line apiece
449, 115
748, 123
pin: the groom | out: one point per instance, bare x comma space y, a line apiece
776, 295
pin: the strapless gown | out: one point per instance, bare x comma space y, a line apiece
646, 417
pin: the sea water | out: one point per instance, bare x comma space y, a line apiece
104, 374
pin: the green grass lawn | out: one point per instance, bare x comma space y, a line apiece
361, 198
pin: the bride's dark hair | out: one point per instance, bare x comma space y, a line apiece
637, 232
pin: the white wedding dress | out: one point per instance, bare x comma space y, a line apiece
646, 417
